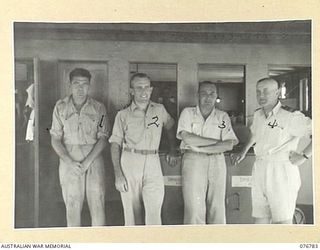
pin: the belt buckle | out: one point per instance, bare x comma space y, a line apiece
132, 150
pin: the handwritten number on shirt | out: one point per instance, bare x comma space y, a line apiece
155, 119
100, 124
223, 125
274, 124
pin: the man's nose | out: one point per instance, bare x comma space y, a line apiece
208, 98
81, 87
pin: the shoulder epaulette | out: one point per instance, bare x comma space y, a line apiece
289, 109
157, 104
61, 103
125, 106
220, 111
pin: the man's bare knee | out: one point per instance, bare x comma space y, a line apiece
284, 222
265, 220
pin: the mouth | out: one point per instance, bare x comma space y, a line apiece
80, 94
260, 100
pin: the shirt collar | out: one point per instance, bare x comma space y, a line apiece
133, 105
274, 111
276, 108
199, 112
71, 104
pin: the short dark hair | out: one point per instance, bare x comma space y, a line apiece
139, 75
206, 83
268, 79
80, 72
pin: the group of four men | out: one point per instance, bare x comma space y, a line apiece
80, 130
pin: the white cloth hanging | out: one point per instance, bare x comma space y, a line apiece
30, 127
30, 99
30, 103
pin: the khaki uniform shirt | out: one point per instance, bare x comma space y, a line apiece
136, 129
280, 131
216, 126
79, 128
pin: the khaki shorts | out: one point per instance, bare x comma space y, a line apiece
275, 186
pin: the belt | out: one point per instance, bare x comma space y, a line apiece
183, 151
141, 151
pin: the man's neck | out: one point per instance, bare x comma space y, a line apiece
269, 109
205, 112
78, 103
142, 105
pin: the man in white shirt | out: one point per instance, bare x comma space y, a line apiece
206, 133
275, 134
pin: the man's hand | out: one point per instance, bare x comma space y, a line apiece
194, 148
76, 168
237, 158
121, 183
296, 158
85, 165
172, 158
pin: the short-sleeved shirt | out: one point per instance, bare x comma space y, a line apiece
217, 125
79, 128
136, 129
280, 131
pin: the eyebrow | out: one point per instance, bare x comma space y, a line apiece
202, 91
80, 81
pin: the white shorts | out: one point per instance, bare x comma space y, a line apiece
275, 186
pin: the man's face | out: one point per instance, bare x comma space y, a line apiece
141, 90
267, 93
207, 96
80, 87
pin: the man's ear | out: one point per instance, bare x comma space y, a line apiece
197, 97
131, 91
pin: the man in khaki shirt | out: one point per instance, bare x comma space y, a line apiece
78, 135
206, 133
275, 134
134, 149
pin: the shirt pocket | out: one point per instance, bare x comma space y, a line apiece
196, 128
134, 130
213, 130
274, 132
90, 124
70, 125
